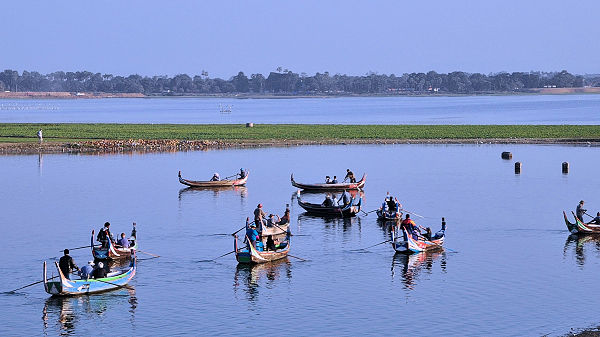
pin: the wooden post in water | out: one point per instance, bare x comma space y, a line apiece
249, 125
506, 155
518, 167
565, 167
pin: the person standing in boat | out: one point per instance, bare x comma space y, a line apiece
259, 216
215, 177
580, 211
350, 176
66, 264
410, 226
104, 235
242, 174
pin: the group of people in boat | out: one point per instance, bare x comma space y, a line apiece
255, 229
104, 235
349, 177
91, 270
332, 201
417, 232
240, 175
580, 212
391, 206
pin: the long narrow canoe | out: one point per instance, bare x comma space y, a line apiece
330, 187
249, 254
218, 183
409, 243
580, 227
66, 287
347, 211
383, 215
114, 252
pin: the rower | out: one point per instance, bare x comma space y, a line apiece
350, 176
327, 202
66, 264
334, 181
596, 220
215, 177
242, 173
346, 198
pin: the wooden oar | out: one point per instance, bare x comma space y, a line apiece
88, 246
413, 213
299, 258
141, 251
371, 246
284, 231
233, 251
367, 213
593, 217
114, 284
29, 285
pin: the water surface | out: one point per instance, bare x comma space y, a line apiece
510, 268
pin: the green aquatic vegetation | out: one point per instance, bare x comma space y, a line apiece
23, 132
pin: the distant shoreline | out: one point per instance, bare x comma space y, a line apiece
21, 138
98, 95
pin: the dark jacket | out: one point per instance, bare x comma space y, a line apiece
99, 273
66, 264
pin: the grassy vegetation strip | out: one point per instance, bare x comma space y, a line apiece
10, 132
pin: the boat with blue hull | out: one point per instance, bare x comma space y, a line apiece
247, 253
67, 287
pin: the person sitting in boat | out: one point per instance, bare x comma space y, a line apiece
327, 202
104, 235
327, 180
349, 176
392, 204
334, 181
346, 198
271, 222
596, 220
66, 264
270, 243
99, 272
427, 234
285, 219
86, 271
215, 177
252, 235
123, 242
242, 174
410, 225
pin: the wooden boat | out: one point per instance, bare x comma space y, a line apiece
249, 254
330, 187
115, 252
580, 227
66, 287
383, 215
349, 210
409, 243
218, 183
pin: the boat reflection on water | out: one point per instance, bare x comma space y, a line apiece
216, 191
250, 277
579, 243
413, 264
67, 311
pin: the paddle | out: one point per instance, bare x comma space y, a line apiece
233, 251
386, 241
88, 246
299, 258
589, 215
141, 251
284, 231
29, 285
367, 213
114, 284
413, 213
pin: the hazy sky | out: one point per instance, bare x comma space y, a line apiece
352, 37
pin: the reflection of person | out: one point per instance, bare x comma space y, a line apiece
596, 220
66, 264
580, 211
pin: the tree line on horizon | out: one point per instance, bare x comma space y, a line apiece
286, 82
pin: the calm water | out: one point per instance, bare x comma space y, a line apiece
535, 109
510, 269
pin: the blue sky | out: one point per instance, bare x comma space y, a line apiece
352, 37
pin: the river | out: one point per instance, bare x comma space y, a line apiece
523, 109
510, 267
